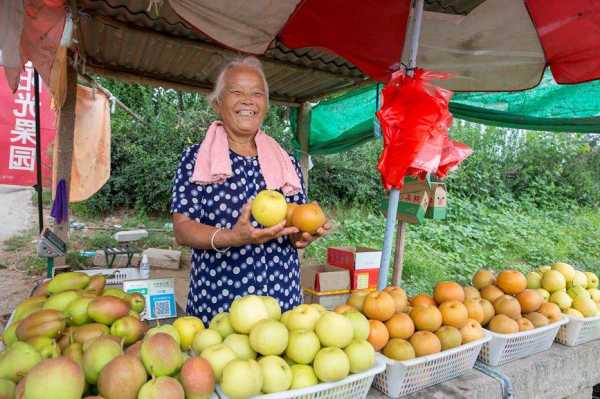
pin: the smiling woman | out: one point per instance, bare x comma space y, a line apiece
212, 193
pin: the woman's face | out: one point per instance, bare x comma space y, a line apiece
243, 103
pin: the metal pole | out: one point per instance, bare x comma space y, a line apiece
38, 150
392, 211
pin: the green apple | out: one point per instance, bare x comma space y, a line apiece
246, 311
137, 302
586, 306
592, 280
553, 280
320, 308
242, 379
534, 280
562, 299
578, 290
221, 324
331, 364
579, 279
303, 346
240, 345
303, 317
361, 355
565, 269
277, 374
204, 339
269, 337
273, 308
218, 356
360, 324
269, 208
574, 313
545, 294
167, 329
334, 329
303, 376
187, 327
594, 294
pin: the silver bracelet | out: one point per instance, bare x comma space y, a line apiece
212, 241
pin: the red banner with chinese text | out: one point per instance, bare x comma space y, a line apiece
17, 131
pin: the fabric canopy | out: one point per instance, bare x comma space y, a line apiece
340, 123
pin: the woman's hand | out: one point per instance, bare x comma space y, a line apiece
302, 240
244, 233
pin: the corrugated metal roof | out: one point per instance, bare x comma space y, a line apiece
125, 37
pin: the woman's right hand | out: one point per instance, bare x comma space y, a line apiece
243, 232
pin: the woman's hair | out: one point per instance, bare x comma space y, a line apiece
251, 62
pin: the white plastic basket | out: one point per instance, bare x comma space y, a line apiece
503, 348
355, 386
579, 331
404, 377
116, 276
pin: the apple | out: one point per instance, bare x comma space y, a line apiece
246, 311
187, 327
579, 279
318, 307
562, 299
578, 290
218, 356
334, 329
269, 337
205, 338
221, 324
331, 364
534, 280
137, 302
594, 294
553, 280
167, 329
240, 345
303, 346
360, 324
303, 317
586, 306
592, 280
277, 374
242, 379
269, 208
361, 355
273, 308
303, 376
545, 294
565, 269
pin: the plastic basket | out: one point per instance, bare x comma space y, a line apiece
579, 331
503, 348
116, 276
355, 386
404, 377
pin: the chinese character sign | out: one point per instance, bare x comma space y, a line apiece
17, 131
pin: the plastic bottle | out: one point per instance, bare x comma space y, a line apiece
145, 267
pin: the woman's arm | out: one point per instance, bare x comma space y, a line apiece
193, 234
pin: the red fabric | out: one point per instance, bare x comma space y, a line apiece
414, 118
570, 35
17, 132
368, 33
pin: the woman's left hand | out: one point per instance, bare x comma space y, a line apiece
302, 240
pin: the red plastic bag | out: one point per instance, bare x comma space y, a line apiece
453, 154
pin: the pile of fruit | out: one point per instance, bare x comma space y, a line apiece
270, 208
428, 325
296, 349
68, 341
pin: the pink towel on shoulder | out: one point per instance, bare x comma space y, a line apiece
214, 166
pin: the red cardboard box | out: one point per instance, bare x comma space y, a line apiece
364, 278
354, 258
325, 285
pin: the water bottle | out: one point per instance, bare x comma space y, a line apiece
145, 267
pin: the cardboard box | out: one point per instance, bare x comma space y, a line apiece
364, 278
325, 278
328, 301
438, 202
354, 258
159, 294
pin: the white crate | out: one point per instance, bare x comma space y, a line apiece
579, 331
404, 377
355, 386
504, 348
115, 275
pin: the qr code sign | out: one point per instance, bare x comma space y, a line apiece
162, 308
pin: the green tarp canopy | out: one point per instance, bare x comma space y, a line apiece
340, 123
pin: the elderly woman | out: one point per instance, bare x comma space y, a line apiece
212, 193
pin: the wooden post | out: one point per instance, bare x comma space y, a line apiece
303, 137
63, 145
399, 256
